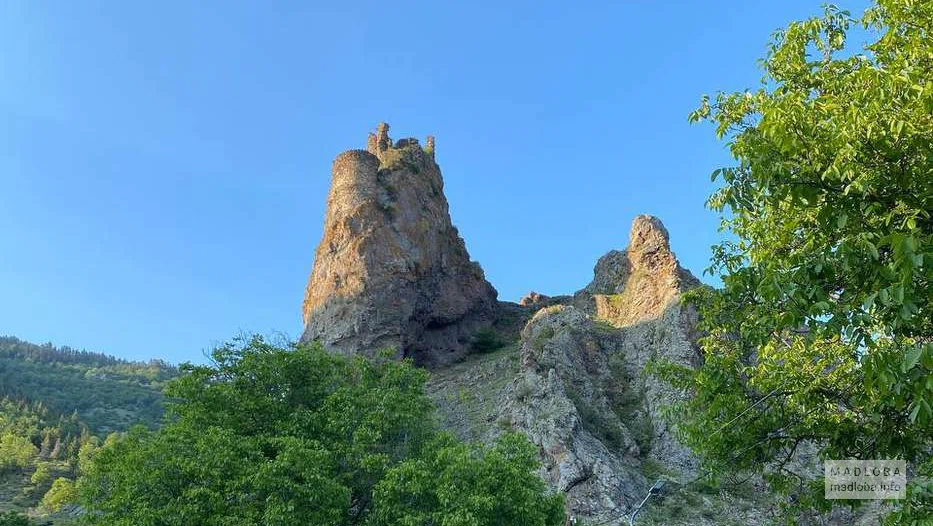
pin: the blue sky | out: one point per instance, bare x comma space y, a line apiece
164, 165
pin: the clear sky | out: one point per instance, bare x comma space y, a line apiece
164, 165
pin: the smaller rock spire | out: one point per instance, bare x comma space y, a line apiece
640, 282
429, 146
379, 142
647, 239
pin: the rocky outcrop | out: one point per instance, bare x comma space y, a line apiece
533, 299
566, 400
638, 283
536, 300
581, 393
567, 371
638, 290
391, 270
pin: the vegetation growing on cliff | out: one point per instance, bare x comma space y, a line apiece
823, 331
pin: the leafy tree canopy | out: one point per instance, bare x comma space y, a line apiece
822, 334
11, 518
455, 484
60, 494
16, 452
297, 436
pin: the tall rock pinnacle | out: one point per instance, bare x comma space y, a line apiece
391, 270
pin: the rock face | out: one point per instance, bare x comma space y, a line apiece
391, 270
567, 371
533, 298
581, 393
639, 283
567, 401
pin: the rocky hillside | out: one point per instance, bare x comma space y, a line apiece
567, 371
573, 381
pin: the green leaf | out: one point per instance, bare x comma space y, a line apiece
911, 357
873, 249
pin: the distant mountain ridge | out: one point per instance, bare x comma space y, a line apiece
107, 393
14, 346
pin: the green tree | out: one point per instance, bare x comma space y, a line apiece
822, 333
11, 518
86, 453
42, 475
271, 435
16, 452
61, 493
457, 484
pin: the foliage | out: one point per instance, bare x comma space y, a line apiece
16, 452
61, 493
11, 518
457, 484
271, 435
46, 393
88, 451
107, 393
44, 447
42, 475
823, 330
487, 340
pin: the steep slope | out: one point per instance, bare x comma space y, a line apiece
391, 270
56, 402
581, 394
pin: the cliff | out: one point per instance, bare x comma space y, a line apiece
391, 270
568, 371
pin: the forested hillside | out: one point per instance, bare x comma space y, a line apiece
57, 405
107, 393
40, 456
